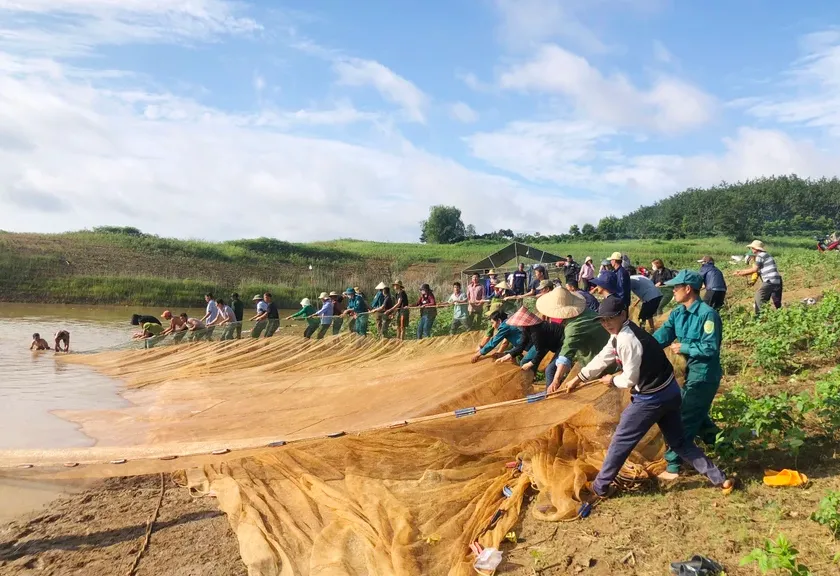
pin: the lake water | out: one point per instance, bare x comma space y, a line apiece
34, 383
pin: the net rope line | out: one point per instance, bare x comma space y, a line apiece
426, 307
165, 340
6, 456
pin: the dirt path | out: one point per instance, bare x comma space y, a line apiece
99, 531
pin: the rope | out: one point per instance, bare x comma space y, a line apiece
149, 526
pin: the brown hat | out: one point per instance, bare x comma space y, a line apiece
523, 317
560, 303
398, 284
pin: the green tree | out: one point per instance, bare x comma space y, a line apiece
574, 230
444, 226
588, 231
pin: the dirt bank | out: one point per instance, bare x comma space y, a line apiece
99, 531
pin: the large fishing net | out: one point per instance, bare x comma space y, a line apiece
348, 456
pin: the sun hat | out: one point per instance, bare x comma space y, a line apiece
560, 303
587, 259
606, 281
350, 291
545, 284
380, 286
256, 297
491, 272
334, 293
686, 277
615, 256
756, 245
166, 315
523, 317
611, 307
398, 284
502, 285
305, 302
323, 296
605, 262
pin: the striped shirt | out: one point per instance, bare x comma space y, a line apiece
767, 268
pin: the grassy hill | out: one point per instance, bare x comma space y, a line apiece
124, 266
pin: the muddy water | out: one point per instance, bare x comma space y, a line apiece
32, 384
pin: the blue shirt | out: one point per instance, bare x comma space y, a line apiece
644, 288
712, 277
591, 302
378, 300
326, 312
624, 289
505, 332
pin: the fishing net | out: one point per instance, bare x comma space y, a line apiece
348, 456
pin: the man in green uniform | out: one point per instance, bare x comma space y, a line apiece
583, 335
694, 330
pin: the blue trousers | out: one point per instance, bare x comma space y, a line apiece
424, 326
662, 409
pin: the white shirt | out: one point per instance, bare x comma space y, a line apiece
228, 314
212, 310
627, 352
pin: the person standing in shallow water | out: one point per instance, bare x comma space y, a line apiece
39, 343
62, 337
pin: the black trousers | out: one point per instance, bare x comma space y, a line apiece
715, 298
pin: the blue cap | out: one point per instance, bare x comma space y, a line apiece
606, 280
686, 277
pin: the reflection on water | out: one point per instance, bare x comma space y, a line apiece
33, 383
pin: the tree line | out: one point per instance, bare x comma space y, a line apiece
771, 206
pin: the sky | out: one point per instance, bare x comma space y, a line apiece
323, 119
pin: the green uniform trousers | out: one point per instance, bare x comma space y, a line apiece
697, 397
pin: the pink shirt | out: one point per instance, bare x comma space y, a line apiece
475, 293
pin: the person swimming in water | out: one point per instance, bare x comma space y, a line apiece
62, 337
39, 343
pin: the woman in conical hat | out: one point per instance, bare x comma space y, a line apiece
382, 302
583, 335
538, 339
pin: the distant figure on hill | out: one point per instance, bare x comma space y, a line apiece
62, 337
39, 343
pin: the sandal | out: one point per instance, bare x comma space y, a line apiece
697, 566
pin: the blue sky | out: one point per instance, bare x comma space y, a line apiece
325, 119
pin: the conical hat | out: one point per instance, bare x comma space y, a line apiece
380, 286
560, 303
502, 285
523, 317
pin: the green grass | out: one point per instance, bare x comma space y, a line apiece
117, 267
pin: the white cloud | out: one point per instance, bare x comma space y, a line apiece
670, 105
462, 112
524, 23
811, 94
74, 27
751, 153
393, 87
73, 155
555, 151
259, 83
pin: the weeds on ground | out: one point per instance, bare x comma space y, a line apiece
828, 512
779, 557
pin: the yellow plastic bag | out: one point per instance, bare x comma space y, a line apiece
784, 478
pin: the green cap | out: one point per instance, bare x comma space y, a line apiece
688, 277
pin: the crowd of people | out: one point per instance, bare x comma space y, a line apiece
614, 350
570, 324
